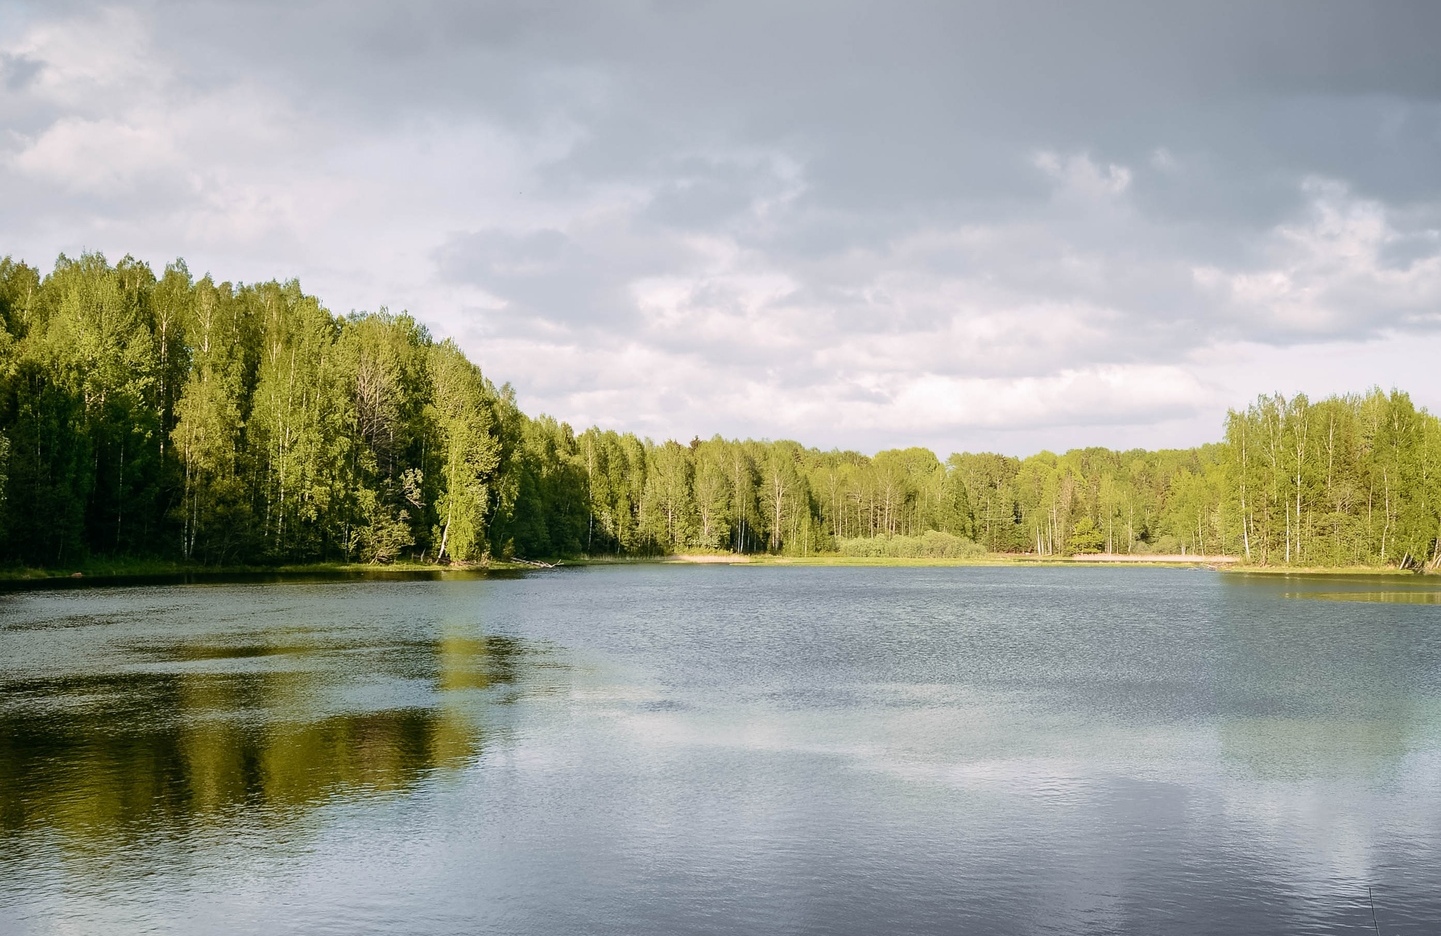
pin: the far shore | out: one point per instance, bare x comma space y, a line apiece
1157, 558
1227, 564
157, 572
709, 558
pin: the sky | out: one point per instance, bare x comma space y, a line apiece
971, 226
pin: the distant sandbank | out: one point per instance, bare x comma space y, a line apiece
1170, 558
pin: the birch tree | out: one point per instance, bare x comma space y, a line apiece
471, 452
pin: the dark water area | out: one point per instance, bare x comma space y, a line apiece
252, 577
673, 749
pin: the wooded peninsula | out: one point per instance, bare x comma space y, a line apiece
226, 424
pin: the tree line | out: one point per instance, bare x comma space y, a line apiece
225, 423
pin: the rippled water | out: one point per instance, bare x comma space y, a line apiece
661, 749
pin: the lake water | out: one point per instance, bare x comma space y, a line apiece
700, 749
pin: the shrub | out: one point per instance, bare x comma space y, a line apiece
931, 544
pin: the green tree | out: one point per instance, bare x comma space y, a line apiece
1085, 538
298, 423
465, 423
668, 504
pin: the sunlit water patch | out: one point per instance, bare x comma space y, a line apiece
1415, 596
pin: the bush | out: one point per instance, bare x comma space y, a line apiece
931, 544
1085, 538
1166, 545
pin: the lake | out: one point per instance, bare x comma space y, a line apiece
661, 749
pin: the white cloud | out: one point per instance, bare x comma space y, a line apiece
1326, 275
1116, 393
95, 61
1078, 175
98, 156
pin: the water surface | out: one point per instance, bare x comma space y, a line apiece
708, 749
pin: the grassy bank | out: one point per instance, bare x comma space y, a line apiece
1325, 570
1022, 559
985, 559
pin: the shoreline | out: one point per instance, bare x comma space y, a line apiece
1230, 565
122, 573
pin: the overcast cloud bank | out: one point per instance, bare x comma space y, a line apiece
852, 224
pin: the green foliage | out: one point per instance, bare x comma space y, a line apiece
1085, 538
932, 544
184, 419
668, 506
1347, 481
381, 533
464, 414
548, 515
50, 469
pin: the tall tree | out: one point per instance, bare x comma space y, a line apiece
465, 420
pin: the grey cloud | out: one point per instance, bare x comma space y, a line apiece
916, 111
1411, 248
498, 254
543, 276
778, 193
696, 194
18, 71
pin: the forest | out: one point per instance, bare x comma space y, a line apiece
245, 424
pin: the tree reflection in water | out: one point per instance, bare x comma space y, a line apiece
200, 733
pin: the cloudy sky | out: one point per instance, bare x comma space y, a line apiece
1007, 226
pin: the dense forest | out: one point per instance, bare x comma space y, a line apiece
221, 423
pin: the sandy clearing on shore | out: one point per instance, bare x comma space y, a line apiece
709, 559
1170, 557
